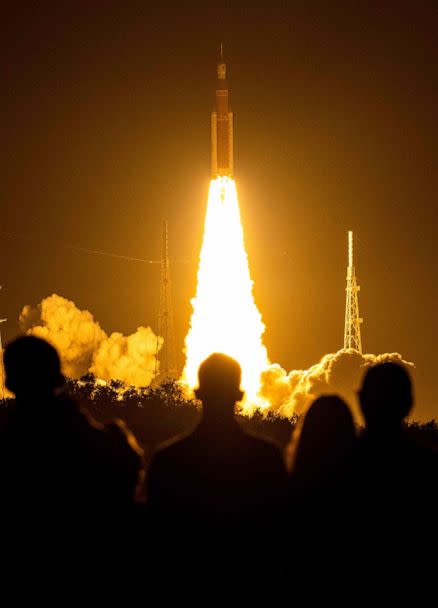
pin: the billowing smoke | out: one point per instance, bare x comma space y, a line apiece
340, 372
73, 332
85, 347
130, 359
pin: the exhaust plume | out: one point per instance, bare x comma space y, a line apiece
225, 316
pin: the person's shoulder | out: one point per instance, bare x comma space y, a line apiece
92, 432
174, 448
263, 449
177, 453
79, 418
121, 437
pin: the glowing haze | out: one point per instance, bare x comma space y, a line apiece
225, 317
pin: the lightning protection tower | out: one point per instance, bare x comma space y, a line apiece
2, 369
165, 317
352, 338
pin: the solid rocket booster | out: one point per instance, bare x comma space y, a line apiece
221, 126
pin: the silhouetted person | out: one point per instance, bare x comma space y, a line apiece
321, 448
218, 474
218, 484
319, 458
53, 458
396, 475
385, 399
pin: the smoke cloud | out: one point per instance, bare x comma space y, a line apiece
340, 372
84, 346
130, 359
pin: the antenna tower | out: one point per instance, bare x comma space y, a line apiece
167, 368
352, 338
2, 369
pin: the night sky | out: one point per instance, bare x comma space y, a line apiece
106, 132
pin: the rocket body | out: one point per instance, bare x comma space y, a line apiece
221, 126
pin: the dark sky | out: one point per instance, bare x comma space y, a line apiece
106, 116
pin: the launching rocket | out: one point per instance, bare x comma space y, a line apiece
221, 125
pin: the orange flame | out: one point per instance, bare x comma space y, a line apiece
225, 317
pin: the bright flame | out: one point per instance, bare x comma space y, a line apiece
225, 317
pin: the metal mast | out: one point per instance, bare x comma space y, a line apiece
2, 369
165, 316
352, 338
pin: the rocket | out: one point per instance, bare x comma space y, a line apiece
221, 125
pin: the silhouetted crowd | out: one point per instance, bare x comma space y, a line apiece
219, 505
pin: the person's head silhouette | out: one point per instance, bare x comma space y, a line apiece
219, 379
386, 396
324, 439
32, 368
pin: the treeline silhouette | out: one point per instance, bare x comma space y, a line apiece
217, 507
158, 413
